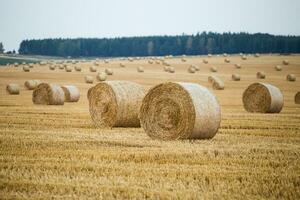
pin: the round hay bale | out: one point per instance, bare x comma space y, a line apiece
30, 65
291, 77
157, 62
262, 98
171, 69
52, 67
227, 60
48, 94
285, 62
13, 88
218, 84
256, 55
93, 68
26, 68
211, 78
122, 65
96, 63
140, 69
213, 69
16, 64
166, 68
150, 61
244, 57
260, 75
278, 68
235, 77
106, 61
205, 61
77, 68
197, 68
238, 66
31, 84
72, 93
89, 79
191, 69
209, 55
183, 59
61, 66
225, 55
297, 98
101, 76
116, 103
109, 71
172, 111
68, 68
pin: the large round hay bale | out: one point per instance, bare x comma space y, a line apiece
31, 84
262, 98
180, 111
235, 77
291, 77
191, 69
238, 66
213, 69
89, 79
52, 67
68, 68
72, 93
26, 68
260, 75
140, 69
109, 71
77, 68
297, 98
116, 103
285, 62
13, 88
102, 76
48, 94
278, 68
171, 69
227, 60
93, 68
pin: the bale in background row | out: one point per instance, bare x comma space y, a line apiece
115, 103
48, 94
72, 93
291, 77
260, 75
297, 98
216, 82
262, 98
13, 88
236, 77
180, 111
26, 68
31, 84
88, 79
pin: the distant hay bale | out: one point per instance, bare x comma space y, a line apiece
52, 67
77, 68
226, 60
30, 65
96, 63
101, 76
196, 67
13, 89
256, 55
291, 77
262, 98
16, 64
115, 104
109, 71
150, 61
31, 84
106, 61
205, 61
130, 59
26, 68
285, 62
211, 78
89, 79
173, 111
48, 94
166, 64
183, 59
209, 55
42, 63
122, 65
72, 93
235, 77
93, 68
140, 69
297, 98
260, 75
278, 68
61, 66
213, 69
244, 57
238, 66
68, 68
225, 55
216, 82
191, 69
166, 68
171, 69
157, 62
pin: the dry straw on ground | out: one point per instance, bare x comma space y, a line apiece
72, 93
116, 103
297, 98
235, 77
31, 84
291, 77
180, 111
102, 76
109, 71
262, 98
140, 69
89, 79
13, 88
278, 68
48, 94
260, 75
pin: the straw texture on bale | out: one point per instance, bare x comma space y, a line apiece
93, 68
13, 88
68, 68
72, 93
77, 68
116, 103
109, 71
89, 79
31, 84
291, 77
260, 75
297, 98
26, 68
278, 68
262, 98
101, 76
48, 94
285, 62
180, 111
140, 69
213, 69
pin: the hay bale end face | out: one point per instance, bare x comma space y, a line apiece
180, 111
48, 94
89, 79
260, 75
291, 77
262, 98
31, 84
115, 104
13, 89
72, 93
297, 98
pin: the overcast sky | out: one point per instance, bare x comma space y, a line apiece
36, 19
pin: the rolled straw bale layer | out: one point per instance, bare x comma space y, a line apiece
297, 98
13, 88
260, 75
116, 103
278, 68
291, 77
77, 68
72, 93
262, 98
235, 77
26, 68
93, 68
48, 94
89, 79
68, 68
31, 84
180, 111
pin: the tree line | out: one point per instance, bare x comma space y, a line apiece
198, 44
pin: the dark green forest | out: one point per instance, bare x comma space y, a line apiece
199, 44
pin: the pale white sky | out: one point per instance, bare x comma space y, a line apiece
36, 19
